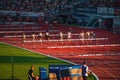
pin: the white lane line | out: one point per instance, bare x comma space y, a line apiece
109, 73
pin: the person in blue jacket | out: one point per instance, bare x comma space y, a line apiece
84, 71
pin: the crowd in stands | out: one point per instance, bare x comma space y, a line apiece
21, 5
50, 8
99, 3
32, 5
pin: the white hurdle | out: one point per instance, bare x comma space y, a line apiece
58, 40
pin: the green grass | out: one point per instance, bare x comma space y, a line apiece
23, 59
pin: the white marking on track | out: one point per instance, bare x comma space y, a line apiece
109, 73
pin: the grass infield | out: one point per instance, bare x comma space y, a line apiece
21, 60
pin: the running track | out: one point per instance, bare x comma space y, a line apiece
104, 61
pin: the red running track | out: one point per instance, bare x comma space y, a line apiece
104, 61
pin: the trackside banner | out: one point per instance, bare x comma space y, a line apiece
98, 10
105, 10
31, 14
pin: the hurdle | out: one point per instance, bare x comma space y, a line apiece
45, 43
57, 40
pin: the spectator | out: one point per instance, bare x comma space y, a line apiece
99, 3
100, 22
